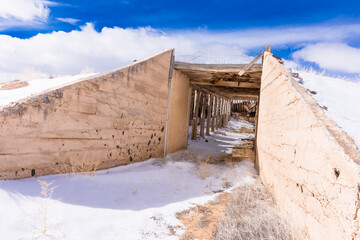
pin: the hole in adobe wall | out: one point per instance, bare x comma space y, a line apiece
337, 173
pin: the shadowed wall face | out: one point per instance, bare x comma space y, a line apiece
179, 112
308, 162
111, 119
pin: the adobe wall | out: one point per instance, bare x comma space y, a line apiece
310, 165
113, 118
179, 112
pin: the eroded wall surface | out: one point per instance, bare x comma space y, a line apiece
310, 165
179, 112
111, 119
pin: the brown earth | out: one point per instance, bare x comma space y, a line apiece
200, 221
13, 85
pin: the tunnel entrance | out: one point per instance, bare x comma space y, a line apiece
224, 92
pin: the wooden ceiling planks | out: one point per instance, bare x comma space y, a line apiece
223, 79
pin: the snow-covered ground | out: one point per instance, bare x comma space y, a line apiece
342, 99
222, 141
137, 201
37, 86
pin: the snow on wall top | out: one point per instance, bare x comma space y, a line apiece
340, 97
36, 86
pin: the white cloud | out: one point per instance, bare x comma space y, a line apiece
23, 13
331, 56
72, 21
70, 52
24, 10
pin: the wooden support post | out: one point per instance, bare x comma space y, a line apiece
227, 112
216, 111
192, 106
209, 112
220, 112
224, 114
202, 116
213, 113
196, 115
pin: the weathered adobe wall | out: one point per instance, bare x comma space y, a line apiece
179, 112
305, 159
112, 119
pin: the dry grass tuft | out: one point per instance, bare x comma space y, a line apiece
83, 168
43, 225
204, 168
252, 214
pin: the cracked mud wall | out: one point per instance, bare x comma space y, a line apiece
112, 119
310, 165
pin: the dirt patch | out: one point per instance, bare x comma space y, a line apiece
244, 130
13, 85
252, 213
200, 221
248, 212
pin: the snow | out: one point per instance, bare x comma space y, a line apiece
218, 144
341, 97
36, 86
137, 201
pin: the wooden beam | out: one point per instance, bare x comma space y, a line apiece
209, 111
222, 83
247, 67
196, 114
213, 113
207, 91
214, 67
202, 116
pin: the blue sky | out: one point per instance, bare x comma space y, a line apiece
293, 28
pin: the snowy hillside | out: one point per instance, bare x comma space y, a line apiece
341, 99
36, 86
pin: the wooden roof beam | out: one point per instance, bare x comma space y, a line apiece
226, 68
247, 67
221, 83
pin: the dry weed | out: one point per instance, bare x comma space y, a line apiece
43, 225
87, 70
84, 168
204, 168
252, 214
161, 230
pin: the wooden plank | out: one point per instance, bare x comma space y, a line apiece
189, 113
222, 83
196, 114
213, 102
208, 116
252, 63
215, 67
202, 116
202, 89
218, 113
256, 162
222, 112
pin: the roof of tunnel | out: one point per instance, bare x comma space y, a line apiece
224, 79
